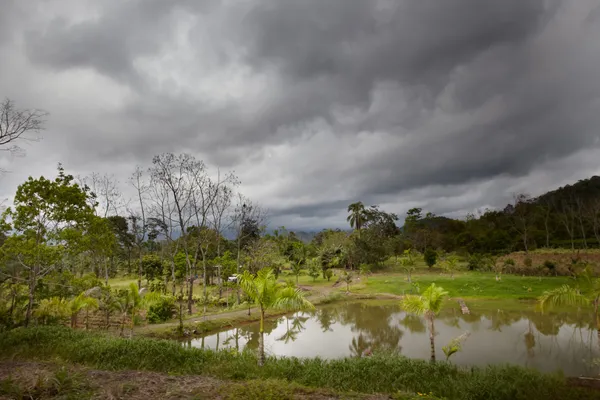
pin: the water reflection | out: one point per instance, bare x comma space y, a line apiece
550, 341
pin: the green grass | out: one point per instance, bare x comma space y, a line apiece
466, 284
379, 373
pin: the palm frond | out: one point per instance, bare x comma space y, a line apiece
291, 298
414, 304
562, 296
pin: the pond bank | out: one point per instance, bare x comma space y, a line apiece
377, 374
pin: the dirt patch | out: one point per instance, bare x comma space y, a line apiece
36, 380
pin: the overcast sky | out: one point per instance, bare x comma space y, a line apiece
450, 105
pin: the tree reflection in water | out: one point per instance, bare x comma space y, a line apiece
547, 341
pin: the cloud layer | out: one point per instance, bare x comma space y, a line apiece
451, 106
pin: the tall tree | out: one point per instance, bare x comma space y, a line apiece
357, 215
47, 217
137, 215
176, 175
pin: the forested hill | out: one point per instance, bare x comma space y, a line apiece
585, 189
565, 217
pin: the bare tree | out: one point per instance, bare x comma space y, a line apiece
246, 213
593, 215
522, 217
580, 217
221, 204
567, 217
545, 211
205, 195
108, 195
137, 217
163, 220
19, 125
175, 174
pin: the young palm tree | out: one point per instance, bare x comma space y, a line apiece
81, 302
428, 304
264, 290
133, 302
451, 265
52, 310
357, 215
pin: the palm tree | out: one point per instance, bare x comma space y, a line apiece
428, 304
357, 215
264, 290
81, 302
134, 300
451, 265
52, 310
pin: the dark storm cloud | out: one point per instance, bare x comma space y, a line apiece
336, 101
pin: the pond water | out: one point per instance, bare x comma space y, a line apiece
548, 342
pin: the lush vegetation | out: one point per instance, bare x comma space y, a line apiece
189, 245
378, 373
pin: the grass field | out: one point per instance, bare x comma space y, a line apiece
377, 374
464, 284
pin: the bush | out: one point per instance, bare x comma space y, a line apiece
528, 262
475, 262
551, 265
430, 257
162, 311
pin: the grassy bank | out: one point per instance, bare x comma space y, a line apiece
466, 285
380, 373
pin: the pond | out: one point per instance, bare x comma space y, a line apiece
517, 334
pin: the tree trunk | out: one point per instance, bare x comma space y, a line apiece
180, 317
32, 285
140, 270
261, 339
73, 321
204, 281
432, 338
237, 267
105, 272
191, 294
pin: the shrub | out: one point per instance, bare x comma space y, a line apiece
327, 273
430, 257
551, 265
475, 262
528, 262
162, 310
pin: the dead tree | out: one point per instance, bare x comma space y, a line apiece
19, 125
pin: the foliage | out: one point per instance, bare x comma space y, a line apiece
455, 345
451, 265
327, 274
430, 257
314, 270
52, 310
152, 266
162, 310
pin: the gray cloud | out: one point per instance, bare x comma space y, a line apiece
450, 105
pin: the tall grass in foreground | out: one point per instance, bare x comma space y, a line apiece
380, 373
